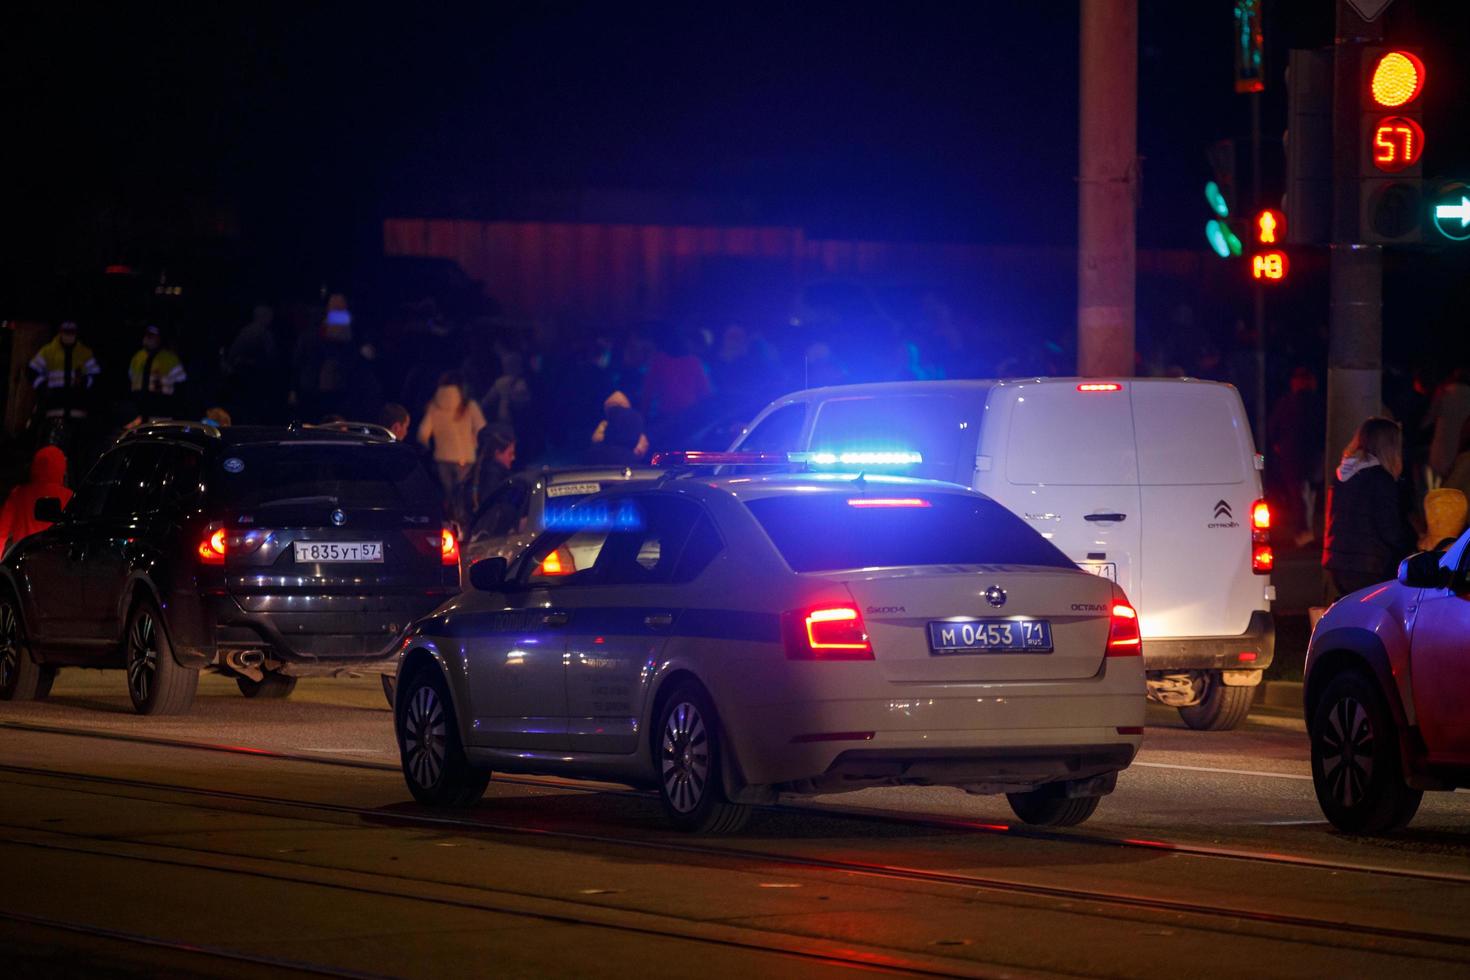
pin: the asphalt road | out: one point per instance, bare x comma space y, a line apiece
266, 838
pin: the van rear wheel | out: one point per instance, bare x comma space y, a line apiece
1223, 708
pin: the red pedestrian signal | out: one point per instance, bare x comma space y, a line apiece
1270, 227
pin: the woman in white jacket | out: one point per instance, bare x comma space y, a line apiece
452, 423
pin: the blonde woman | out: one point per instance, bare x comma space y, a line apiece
1367, 532
452, 423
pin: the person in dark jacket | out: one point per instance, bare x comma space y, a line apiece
1367, 531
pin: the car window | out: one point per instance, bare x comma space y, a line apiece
635, 540
504, 512
829, 531
98, 485
385, 476
137, 490
777, 432
181, 478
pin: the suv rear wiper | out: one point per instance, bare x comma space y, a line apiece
320, 498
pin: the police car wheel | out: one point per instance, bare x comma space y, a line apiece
689, 757
434, 763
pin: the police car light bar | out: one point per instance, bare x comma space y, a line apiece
700, 457
884, 458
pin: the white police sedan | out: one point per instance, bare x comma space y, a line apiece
732, 639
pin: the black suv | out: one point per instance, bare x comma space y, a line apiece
265, 553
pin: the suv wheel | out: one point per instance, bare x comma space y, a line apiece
1049, 806
433, 759
21, 678
689, 758
1223, 708
1356, 768
271, 685
157, 684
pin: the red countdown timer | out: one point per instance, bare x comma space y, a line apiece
1269, 266
1397, 143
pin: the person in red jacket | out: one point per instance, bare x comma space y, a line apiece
18, 516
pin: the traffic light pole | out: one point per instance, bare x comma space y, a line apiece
1258, 288
1355, 337
1107, 187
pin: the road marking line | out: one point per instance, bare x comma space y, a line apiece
1231, 772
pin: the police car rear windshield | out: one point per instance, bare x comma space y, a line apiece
830, 531
375, 476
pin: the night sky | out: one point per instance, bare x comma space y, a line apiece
305, 125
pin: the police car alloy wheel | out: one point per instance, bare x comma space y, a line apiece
434, 763
689, 760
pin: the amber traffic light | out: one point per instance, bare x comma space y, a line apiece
1391, 147
1398, 78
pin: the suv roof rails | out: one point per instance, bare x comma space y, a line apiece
370, 429
173, 425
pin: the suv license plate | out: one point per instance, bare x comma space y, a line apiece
991, 636
317, 552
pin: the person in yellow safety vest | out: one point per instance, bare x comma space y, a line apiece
63, 371
154, 375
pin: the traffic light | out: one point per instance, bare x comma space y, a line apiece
1220, 195
1391, 146
1268, 261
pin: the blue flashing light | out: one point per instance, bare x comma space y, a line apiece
862, 458
597, 516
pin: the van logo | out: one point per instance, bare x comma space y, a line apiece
1224, 516
995, 595
339, 518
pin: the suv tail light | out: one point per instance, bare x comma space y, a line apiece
1124, 639
1263, 559
212, 547
448, 547
830, 632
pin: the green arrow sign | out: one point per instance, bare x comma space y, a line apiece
1452, 212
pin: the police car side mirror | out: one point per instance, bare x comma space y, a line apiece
48, 510
488, 574
1423, 571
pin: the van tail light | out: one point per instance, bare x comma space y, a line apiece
1124, 639
448, 547
829, 632
1263, 559
212, 547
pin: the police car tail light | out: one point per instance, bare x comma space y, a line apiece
1124, 639
827, 633
885, 502
212, 548
1263, 559
1099, 386
448, 547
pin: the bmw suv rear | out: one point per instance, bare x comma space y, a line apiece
267, 554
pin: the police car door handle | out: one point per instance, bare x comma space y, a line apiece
556, 618
659, 620
1109, 517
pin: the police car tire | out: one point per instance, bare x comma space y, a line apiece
712, 814
21, 678
270, 686
1223, 708
168, 688
1048, 807
437, 771
1385, 801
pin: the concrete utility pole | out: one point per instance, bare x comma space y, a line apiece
1355, 332
1107, 187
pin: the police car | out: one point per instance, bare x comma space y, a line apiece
728, 640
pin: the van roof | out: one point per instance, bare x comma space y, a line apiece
971, 385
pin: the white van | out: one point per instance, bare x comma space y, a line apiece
1154, 483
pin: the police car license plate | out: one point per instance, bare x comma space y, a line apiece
991, 636
317, 552
1102, 569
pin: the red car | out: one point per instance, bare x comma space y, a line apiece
1387, 693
